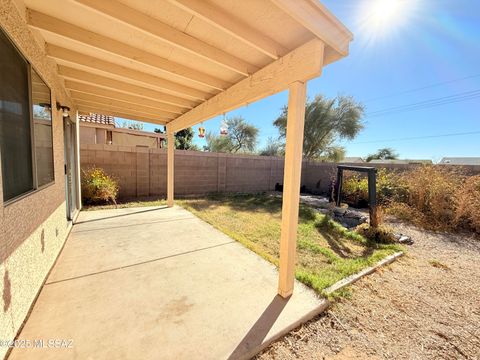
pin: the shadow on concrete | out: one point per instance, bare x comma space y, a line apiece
116, 216
260, 329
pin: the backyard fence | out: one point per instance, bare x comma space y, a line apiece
142, 172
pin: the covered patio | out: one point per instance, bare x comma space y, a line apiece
158, 282
180, 62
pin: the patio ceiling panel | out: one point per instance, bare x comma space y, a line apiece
108, 82
170, 35
77, 58
180, 62
118, 48
140, 101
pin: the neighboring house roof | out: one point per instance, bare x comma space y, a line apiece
97, 119
460, 160
352, 160
398, 161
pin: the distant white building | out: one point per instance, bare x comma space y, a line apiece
460, 160
400, 161
352, 160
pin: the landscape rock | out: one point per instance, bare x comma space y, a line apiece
403, 239
315, 201
349, 218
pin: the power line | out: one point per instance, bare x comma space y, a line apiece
421, 88
416, 138
468, 95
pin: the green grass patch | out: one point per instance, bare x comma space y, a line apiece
326, 251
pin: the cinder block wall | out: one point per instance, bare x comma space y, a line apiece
143, 172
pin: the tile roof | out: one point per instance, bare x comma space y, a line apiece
97, 119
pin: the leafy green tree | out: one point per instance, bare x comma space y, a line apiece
383, 154
217, 143
132, 125
273, 148
334, 153
241, 137
326, 121
184, 139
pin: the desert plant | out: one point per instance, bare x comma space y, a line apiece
355, 189
380, 234
390, 187
431, 190
98, 187
432, 197
467, 204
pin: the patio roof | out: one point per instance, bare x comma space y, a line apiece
184, 61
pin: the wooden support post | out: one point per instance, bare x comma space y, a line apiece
170, 166
291, 187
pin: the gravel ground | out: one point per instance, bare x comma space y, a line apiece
426, 305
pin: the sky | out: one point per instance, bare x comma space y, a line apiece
422, 55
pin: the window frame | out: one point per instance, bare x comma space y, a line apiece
35, 188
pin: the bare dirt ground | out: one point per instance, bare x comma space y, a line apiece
424, 306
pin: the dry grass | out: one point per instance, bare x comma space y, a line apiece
438, 264
432, 197
467, 203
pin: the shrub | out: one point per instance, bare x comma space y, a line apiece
390, 187
355, 189
433, 197
98, 187
467, 202
381, 234
430, 194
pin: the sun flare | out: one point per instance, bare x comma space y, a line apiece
386, 13
378, 18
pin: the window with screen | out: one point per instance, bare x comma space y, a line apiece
26, 143
42, 125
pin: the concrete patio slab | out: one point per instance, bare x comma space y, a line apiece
159, 283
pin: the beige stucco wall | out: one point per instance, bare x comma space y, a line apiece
87, 135
25, 255
24, 271
124, 139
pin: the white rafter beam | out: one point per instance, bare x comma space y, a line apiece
57, 26
121, 114
233, 26
80, 75
105, 107
140, 101
170, 35
302, 64
75, 57
80, 97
